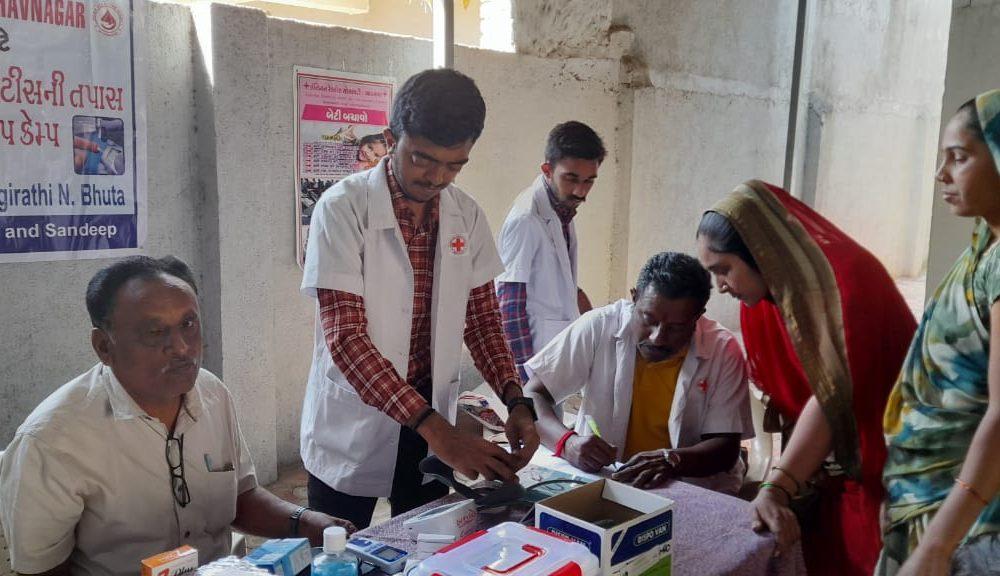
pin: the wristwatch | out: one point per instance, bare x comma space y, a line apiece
523, 401
673, 460
294, 520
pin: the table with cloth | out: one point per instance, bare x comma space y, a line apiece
712, 534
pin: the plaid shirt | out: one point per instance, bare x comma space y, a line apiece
517, 330
345, 327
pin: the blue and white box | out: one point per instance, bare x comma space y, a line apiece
284, 557
629, 530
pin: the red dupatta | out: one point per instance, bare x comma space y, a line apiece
877, 327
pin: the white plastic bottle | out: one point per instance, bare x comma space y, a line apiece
335, 559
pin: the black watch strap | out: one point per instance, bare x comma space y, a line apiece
294, 521
523, 401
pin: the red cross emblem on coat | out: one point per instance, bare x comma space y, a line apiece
458, 244
703, 385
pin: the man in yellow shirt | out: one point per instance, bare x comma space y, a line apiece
664, 385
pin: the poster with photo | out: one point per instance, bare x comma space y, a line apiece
339, 121
72, 130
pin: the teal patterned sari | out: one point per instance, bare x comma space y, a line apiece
942, 392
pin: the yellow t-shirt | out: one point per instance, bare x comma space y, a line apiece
652, 396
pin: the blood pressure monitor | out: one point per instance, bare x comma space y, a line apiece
386, 558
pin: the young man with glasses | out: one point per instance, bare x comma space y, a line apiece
401, 264
664, 387
143, 452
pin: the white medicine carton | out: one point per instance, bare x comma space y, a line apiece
629, 530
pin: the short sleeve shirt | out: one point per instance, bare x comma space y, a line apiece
86, 478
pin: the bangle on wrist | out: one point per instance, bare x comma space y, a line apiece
561, 444
971, 490
772, 485
798, 485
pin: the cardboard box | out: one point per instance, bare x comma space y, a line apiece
171, 563
285, 557
629, 530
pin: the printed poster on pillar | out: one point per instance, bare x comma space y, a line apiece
72, 129
339, 124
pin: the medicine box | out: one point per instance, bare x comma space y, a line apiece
171, 563
285, 557
629, 530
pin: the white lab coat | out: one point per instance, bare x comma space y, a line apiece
355, 246
596, 356
534, 253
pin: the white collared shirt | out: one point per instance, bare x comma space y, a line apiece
596, 356
86, 478
535, 253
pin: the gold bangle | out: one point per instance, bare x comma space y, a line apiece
968, 488
798, 485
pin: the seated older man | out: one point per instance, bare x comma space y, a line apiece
663, 386
143, 452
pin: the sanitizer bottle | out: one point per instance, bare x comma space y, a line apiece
335, 560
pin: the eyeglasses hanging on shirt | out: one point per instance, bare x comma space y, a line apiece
175, 460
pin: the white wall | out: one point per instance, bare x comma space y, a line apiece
709, 109
707, 120
872, 84
43, 319
973, 68
403, 17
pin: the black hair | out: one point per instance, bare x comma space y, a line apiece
675, 275
972, 123
104, 286
443, 106
723, 238
574, 140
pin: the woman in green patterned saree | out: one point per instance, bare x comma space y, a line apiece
942, 422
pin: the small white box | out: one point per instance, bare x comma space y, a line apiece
457, 519
629, 530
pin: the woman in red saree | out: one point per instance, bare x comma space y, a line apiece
826, 332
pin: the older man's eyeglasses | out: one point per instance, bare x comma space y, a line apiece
175, 459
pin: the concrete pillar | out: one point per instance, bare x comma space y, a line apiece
241, 220
973, 68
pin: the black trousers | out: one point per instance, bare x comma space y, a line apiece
407, 491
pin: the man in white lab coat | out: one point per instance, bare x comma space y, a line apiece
402, 263
664, 385
538, 291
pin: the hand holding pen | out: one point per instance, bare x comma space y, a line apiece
589, 453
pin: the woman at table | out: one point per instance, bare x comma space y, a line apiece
825, 331
943, 419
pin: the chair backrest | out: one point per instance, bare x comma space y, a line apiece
762, 446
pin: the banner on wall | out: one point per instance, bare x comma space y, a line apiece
72, 129
340, 118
